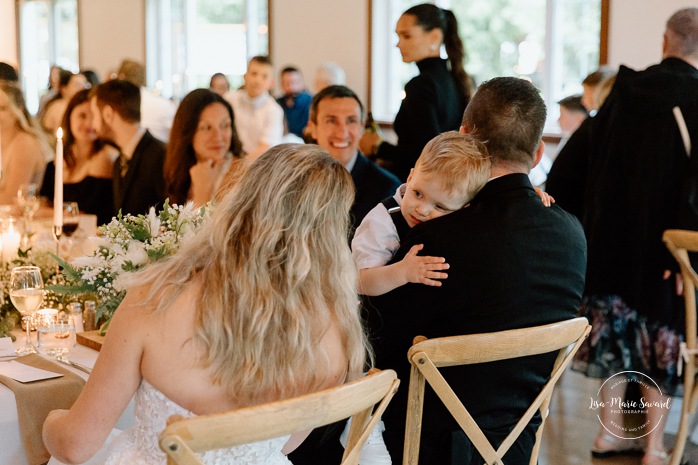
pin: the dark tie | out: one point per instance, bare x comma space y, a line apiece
123, 165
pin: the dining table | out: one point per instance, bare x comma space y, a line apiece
12, 452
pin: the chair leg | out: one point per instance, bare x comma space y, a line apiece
686, 410
413, 424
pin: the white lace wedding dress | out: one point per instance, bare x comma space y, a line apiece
139, 445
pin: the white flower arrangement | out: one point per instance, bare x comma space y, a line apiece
126, 245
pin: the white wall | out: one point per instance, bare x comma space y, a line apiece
306, 33
109, 32
8, 33
636, 28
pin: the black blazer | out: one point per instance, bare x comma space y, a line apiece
143, 186
513, 263
372, 184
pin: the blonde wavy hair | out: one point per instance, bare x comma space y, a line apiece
25, 121
276, 271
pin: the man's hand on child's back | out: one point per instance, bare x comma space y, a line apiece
424, 270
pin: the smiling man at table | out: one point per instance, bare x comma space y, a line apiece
137, 180
514, 263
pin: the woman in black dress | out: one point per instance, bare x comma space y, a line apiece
435, 99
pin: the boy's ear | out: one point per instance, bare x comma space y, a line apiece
409, 178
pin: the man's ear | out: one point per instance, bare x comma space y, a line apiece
463, 130
107, 114
313, 129
539, 153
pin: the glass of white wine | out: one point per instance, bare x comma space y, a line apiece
29, 202
26, 293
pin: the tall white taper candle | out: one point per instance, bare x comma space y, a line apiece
58, 182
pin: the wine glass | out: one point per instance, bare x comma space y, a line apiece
71, 221
26, 293
29, 202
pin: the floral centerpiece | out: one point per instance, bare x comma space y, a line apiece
126, 245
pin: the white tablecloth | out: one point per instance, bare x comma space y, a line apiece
11, 451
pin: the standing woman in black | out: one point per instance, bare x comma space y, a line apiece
436, 98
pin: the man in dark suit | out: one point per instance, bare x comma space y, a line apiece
336, 123
513, 263
138, 177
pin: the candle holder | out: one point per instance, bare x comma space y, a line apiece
57, 233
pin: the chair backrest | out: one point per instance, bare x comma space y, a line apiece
680, 242
183, 437
427, 355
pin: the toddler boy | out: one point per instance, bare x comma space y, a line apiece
452, 168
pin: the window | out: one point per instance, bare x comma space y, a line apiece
187, 41
554, 43
48, 35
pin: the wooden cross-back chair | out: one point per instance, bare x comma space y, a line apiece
184, 437
680, 243
427, 355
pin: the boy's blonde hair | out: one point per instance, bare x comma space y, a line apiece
461, 162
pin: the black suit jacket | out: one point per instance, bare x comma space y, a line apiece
513, 263
143, 186
372, 184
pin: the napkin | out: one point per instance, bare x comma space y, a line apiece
35, 401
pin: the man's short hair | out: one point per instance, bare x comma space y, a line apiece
123, 96
8, 72
459, 161
132, 71
290, 69
682, 27
507, 114
332, 92
260, 59
573, 103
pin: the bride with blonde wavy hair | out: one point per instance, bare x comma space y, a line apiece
260, 305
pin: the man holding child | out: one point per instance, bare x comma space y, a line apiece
513, 263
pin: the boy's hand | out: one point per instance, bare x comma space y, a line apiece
546, 198
424, 270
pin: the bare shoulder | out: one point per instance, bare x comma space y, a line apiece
102, 163
28, 145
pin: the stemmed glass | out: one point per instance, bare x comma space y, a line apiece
71, 221
26, 293
29, 201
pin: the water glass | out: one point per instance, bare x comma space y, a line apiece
56, 338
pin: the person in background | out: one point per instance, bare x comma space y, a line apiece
88, 163
259, 120
260, 305
92, 78
329, 74
435, 99
572, 114
8, 72
219, 84
52, 91
590, 83
70, 84
157, 112
337, 122
137, 179
295, 100
202, 147
23, 144
639, 178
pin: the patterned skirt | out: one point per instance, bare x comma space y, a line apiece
623, 340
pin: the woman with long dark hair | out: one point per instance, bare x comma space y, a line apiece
435, 99
202, 145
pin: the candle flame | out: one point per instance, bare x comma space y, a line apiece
59, 133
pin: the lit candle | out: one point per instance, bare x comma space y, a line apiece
10, 242
58, 182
